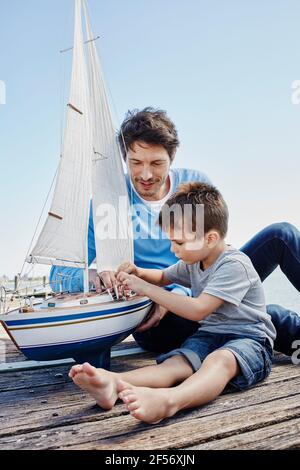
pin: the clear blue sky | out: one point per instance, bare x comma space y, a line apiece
223, 70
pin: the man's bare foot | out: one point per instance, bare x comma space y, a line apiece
99, 383
150, 405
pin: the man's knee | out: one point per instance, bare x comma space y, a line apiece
170, 333
282, 230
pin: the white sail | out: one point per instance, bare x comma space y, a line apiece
63, 240
110, 197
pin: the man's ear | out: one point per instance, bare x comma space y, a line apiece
212, 238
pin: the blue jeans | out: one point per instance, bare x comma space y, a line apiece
254, 355
279, 245
275, 245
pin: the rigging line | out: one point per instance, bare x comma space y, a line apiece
62, 99
64, 277
38, 223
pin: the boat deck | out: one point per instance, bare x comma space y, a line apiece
41, 408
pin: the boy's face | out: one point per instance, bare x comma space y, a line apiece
148, 167
188, 247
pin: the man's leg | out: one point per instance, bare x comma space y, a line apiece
287, 324
102, 384
170, 333
276, 245
153, 405
279, 245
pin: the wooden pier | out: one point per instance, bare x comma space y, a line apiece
41, 408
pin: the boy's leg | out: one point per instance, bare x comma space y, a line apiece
102, 384
153, 405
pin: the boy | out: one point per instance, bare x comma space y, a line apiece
233, 344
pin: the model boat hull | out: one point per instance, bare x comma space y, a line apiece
74, 331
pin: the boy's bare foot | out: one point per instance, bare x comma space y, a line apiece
75, 370
150, 405
99, 383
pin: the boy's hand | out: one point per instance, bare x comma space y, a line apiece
155, 315
128, 267
132, 282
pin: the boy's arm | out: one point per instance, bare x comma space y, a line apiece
191, 308
195, 309
153, 276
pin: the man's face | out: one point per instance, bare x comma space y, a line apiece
148, 167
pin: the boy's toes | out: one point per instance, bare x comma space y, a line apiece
133, 406
75, 370
136, 413
128, 398
122, 386
125, 394
88, 369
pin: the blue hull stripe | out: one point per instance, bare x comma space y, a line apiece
35, 321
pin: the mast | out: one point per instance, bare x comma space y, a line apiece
110, 196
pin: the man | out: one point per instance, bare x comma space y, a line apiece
149, 141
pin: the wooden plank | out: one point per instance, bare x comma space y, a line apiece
32, 379
282, 436
123, 432
73, 406
36, 378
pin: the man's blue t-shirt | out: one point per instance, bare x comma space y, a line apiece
151, 246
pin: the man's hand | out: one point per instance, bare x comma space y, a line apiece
94, 280
108, 278
102, 281
155, 315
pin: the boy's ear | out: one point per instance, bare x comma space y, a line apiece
212, 237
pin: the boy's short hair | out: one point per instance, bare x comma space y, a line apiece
215, 208
149, 125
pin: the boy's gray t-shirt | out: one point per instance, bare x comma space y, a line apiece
232, 278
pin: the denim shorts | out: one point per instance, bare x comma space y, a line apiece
254, 355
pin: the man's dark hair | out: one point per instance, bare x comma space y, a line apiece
215, 208
149, 125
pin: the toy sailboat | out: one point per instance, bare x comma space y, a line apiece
82, 325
